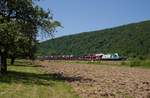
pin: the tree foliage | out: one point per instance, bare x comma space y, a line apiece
20, 21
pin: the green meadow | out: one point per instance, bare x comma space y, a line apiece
25, 80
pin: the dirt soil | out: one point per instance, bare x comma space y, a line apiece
102, 81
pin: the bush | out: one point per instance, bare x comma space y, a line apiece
135, 63
146, 63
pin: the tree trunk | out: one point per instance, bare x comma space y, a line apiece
4, 62
0, 60
12, 60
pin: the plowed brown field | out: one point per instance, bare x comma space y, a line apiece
102, 81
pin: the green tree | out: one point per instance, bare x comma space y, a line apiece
20, 21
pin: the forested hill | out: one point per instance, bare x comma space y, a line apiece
131, 40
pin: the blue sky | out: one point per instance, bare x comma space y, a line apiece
89, 15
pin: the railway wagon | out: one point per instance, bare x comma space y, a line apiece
90, 57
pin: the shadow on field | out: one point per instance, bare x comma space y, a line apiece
60, 77
25, 65
27, 78
33, 78
30, 78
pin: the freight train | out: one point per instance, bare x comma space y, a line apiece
90, 57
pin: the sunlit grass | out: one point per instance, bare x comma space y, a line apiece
25, 80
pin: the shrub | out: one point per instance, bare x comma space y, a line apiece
146, 63
135, 62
